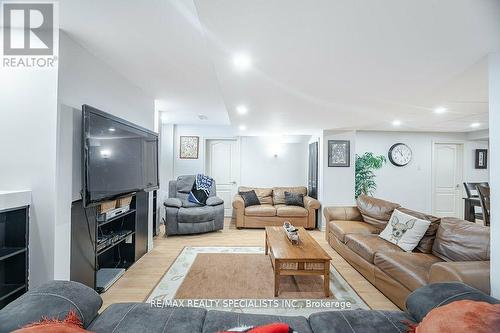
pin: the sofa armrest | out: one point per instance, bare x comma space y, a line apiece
347, 213
474, 273
172, 202
311, 203
424, 299
53, 299
214, 201
238, 202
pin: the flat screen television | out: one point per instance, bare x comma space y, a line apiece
119, 158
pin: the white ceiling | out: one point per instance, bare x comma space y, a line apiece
322, 64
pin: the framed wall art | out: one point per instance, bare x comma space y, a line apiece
481, 159
189, 147
339, 154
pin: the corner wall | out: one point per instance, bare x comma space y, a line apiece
85, 79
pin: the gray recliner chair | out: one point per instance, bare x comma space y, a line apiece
183, 217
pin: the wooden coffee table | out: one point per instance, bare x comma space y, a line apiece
306, 258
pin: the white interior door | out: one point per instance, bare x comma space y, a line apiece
223, 165
447, 175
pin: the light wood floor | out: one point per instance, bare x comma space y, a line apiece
140, 279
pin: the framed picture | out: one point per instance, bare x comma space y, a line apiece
339, 153
481, 159
189, 147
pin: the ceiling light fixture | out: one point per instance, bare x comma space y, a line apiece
111, 129
242, 61
242, 109
440, 110
202, 117
243, 128
475, 125
396, 123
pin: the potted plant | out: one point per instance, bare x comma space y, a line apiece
365, 177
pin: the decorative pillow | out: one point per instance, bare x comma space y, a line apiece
250, 198
461, 317
294, 199
71, 324
404, 230
270, 328
425, 244
201, 189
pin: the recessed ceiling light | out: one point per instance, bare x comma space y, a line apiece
475, 125
111, 129
242, 109
202, 117
440, 110
242, 61
396, 122
243, 128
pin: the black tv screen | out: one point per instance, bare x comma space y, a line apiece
119, 157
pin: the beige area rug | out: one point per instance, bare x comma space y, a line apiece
241, 279
241, 275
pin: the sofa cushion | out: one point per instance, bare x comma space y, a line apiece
185, 183
62, 296
367, 245
196, 214
459, 240
404, 230
279, 193
425, 244
261, 210
217, 321
265, 195
342, 228
409, 269
360, 321
142, 317
290, 211
375, 211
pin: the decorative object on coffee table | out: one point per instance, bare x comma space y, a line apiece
339, 153
189, 146
307, 258
291, 233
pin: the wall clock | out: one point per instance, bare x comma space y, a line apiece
400, 154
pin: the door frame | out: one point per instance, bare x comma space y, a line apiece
461, 144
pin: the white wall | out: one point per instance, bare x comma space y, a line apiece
84, 79
411, 185
259, 167
28, 122
336, 183
494, 105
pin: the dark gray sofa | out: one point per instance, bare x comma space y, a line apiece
56, 298
184, 217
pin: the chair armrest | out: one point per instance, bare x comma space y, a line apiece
53, 299
238, 202
347, 213
311, 203
474, 273
214, 201
172, 202
424, 299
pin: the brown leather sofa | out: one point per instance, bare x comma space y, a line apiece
272, 211
451, 250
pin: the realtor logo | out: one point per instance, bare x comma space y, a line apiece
28, 29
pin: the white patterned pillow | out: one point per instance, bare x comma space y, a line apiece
404, 230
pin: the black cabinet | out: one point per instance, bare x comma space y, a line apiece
13, 254
129, 242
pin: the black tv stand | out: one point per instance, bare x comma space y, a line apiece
102, 250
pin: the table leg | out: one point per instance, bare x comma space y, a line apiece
266, 246
276, 277
326, 279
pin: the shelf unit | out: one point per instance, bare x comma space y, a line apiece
87, 259
14, 224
